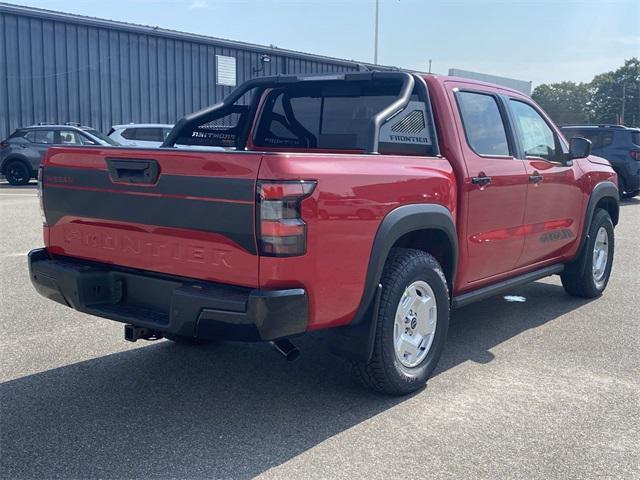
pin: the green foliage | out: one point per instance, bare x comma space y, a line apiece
565, 102
607, 94
599, 101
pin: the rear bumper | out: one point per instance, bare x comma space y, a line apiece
169, 304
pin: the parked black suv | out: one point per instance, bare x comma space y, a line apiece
620, 145
22, 152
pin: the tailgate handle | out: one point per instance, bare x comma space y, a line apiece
133, 171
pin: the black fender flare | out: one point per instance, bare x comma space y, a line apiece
605, 189
355, 341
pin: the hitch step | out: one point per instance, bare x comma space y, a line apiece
133, 333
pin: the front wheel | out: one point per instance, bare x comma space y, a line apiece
411, 326
588, 276
17, 173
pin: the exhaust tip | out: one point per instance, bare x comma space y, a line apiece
287, 349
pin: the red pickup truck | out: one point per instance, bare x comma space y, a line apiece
370, 204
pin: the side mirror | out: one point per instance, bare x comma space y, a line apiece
579, 148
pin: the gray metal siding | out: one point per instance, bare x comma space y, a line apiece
54, 70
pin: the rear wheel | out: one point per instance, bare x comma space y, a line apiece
17, 173
588, 276
184, 340
411, 326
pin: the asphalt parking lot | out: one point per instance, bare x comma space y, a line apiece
545, 388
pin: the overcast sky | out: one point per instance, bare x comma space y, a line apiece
538, 40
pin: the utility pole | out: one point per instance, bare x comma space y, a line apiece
429, 65
375, 40
624, 95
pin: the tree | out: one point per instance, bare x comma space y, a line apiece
565, 102
599, 101
607, 92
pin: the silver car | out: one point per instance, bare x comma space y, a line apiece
148, 135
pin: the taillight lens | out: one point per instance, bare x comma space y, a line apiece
41, 195
4, 144
281, 230
635, 154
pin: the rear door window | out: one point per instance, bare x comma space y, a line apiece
635, 138
483, 123
40, 136
150, 134
145, 134
606, 139
130, 133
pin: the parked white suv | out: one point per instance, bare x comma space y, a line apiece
149, 135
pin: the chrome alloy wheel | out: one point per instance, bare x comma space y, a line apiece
415, 324
600, 257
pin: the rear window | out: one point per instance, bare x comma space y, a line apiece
18, 134
483, 124
635, 137
327, 121
336, 117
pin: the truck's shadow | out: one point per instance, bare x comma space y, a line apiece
630, 201
31, 186
217, 412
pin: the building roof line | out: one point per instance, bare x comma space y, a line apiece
175, 34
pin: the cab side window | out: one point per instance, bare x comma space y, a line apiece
69, 138
40, 136
483, 124
537, 138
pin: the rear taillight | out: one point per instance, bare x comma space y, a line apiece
4, 144
41, 195
635, 154
281, 230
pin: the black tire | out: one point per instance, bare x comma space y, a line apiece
183, 340
17, 173
621, 186
577, 278
384, 372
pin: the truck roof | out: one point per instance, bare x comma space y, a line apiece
447, 78
144, 125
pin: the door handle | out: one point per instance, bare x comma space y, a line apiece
482, 180
535, 178
133, 171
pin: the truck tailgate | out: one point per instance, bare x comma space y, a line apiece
186, 213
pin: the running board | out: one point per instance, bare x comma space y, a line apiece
500, 287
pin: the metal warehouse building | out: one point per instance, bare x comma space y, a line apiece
56, 67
